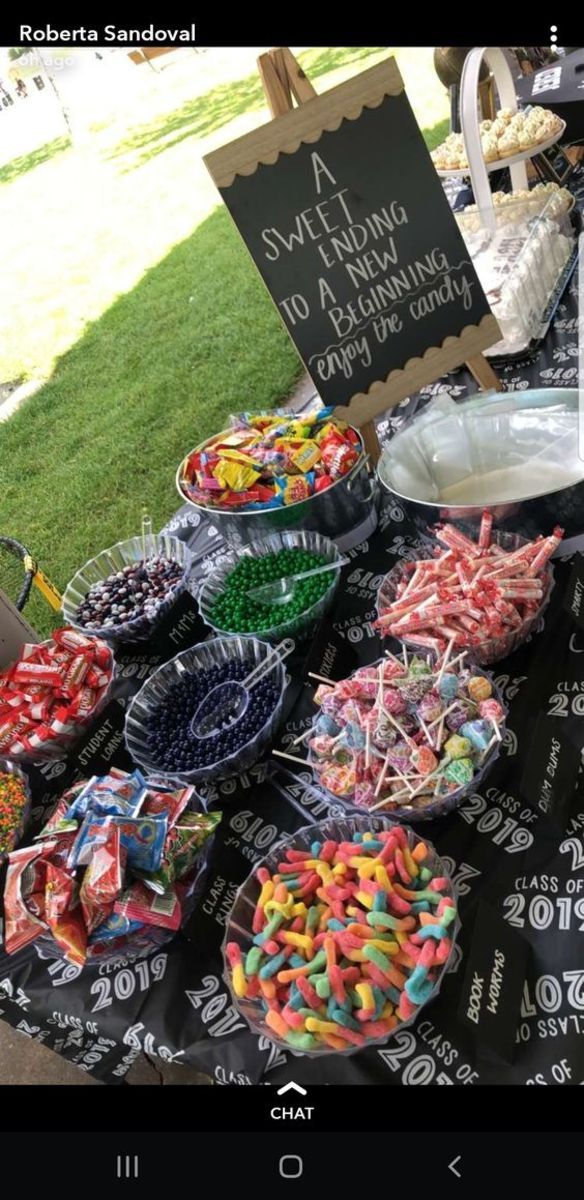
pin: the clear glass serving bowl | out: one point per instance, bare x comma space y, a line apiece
200, 658
491, 649
239, 925
115, 559
141, 942
10, 768
305, 623
61, 744
442, 804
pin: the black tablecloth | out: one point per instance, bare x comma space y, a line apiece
498, 847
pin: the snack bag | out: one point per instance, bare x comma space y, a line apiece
58, 822
140, 904
181, 849
143, 839
114, 926
295, 488
64, 915
300, 428
93, 833
169, 804
238, 499
235, 475
20, 925
103, 880
307, 456
193, 831
63, 842
80, 803
329, 432
60, 892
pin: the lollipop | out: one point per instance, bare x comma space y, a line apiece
409, 740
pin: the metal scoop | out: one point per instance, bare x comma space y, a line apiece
281, 591
227, 702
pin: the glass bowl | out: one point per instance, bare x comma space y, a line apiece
492, 649
203, 657
115, 559
141, 942
10, 768
60, 745
298, 627
239, 924
441, 805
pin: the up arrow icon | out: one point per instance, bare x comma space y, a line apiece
291, 1087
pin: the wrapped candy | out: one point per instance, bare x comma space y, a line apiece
325, 724
44, 696
392, 748
479, 688
477, 733
471, 594
394, 701
492, 710
460, 771
430, 706
448, 687
457, 747
67, 885
274, 460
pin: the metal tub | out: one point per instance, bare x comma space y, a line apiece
346, 512
515, 454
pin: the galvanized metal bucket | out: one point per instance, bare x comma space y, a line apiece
477, 438
346, 512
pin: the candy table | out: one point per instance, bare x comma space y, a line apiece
499, 848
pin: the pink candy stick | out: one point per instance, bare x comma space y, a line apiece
485, 530
455, 540
548, 547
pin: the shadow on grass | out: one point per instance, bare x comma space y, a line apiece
198, 338
27, 162
202, 115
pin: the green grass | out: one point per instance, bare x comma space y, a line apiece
131, 296
105, 435
28, 162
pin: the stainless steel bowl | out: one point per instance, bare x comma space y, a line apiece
346, 512
515, 454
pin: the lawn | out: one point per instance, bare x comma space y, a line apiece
130, 294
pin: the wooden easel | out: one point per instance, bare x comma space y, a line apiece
284, 82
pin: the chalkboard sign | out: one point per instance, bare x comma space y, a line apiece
345, 217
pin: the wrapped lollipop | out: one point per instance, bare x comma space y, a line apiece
427, 729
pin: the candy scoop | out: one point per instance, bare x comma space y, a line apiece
281, 591
227, 702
